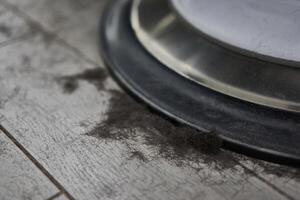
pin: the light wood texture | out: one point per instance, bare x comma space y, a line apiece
61, 197
11, 27
53, 125
19, 177
65, 18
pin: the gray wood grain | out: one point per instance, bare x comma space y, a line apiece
53, 124
61, 197
11, 27
65, 16
19, 178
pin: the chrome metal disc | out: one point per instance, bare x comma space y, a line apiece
183, 50
268, 29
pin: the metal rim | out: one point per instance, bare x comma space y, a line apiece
263, 29
192, 56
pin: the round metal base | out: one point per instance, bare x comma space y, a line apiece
185, 51
248, 128
265, 29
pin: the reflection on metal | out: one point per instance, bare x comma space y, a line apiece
182, 49
268, 29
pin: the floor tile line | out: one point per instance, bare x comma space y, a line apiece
37, 163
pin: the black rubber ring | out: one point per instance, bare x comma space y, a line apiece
247, 128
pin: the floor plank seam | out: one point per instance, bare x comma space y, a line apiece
265, 181
36, 163
55, 196
39, 27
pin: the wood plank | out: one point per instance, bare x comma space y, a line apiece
85, 39
94, 168
69, 15
56, 13
19, 178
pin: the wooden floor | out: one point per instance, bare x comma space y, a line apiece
68, 132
